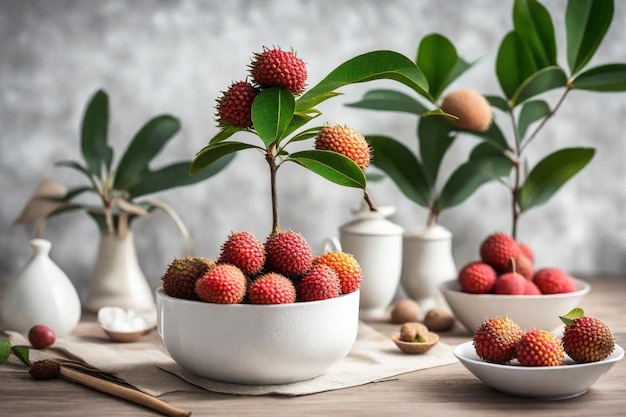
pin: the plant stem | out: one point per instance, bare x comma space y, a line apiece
271, 161
516, 178
568, 87
369, 201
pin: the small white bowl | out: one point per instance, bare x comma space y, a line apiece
528, 311
546, 382
258, 344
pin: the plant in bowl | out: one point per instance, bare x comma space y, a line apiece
119, 196
292, 337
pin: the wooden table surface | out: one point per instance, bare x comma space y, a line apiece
443, 391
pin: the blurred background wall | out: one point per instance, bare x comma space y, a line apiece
158, 56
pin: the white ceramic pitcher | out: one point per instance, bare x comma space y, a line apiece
376, 244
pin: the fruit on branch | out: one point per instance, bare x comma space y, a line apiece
278, 68
346, 141
471, 108
234, 107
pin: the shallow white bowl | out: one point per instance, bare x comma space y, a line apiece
258, 344
547, 382
528, 311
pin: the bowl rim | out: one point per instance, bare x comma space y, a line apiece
452, 286
616, 356
160, 293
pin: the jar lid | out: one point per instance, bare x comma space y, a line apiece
369, 222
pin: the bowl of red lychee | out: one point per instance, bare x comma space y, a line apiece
505, 281
263, 313
538, 363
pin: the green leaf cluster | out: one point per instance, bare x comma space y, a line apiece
526, 67
117, 187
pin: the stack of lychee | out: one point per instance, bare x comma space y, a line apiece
282, 270
585, 339
507, 267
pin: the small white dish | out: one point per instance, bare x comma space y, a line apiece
123, 325
545, 382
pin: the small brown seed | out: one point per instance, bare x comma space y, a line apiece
404, 311
438, 320
414, 332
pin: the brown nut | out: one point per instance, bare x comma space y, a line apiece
404, 311
414, 332
438, 320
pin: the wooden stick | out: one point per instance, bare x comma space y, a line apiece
125, 393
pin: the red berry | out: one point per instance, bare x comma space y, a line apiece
554, 281
41, 336
498, 250
496, 339
477, 278
272, 288
288, 253
224, 284
527, 251
539, 348
278, 68
346, 267
510, 283
244, 251
531, 288
234, 107
320, 283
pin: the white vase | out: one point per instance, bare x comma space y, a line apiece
427, 262
117, 279
376, 244
42, 294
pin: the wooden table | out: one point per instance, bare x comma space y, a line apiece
444, 391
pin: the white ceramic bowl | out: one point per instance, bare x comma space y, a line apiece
528, 311
548, 382
258, 344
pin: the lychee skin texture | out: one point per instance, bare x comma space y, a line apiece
510, 283
346, 141
320, 283
278, 68
531, 288
224, 284
234, 107
471, 108
498, 250
288, 253
554, 281
522, 265
182, 273
272, 288
244, 251
346, 267
477, 278
496, 339
539, 348
527, 251
588, 339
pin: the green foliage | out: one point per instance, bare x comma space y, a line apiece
526, 67
133, 176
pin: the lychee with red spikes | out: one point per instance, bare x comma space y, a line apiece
272, 288
539, 347
278, 68
223, 284
320, 283
346, 267
244, 251
554, 281
477, 278
288, 253
234, 107
496, 339
498, 249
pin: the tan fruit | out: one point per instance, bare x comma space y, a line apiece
438, 320
405, 311
471, 108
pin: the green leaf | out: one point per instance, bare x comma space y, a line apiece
272, 111
550, 174
440, 63
333, 166
176, 175
498, 102
574, 314
543, 80
493, 136
5, 350
586, 23
514, 63
610, 77
370, 66
463, 182
533, 24
300, 119
531, 112
75, 166
389, 100
146, 144
491, 160
306, 134
435, 137
94, 146
212, 153
225, 133
22, 353
402, 166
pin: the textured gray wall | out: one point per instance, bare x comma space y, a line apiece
176, 56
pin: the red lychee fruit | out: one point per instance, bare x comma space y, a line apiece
278, 68
498, 250
288, 253
346, 267
477, 278
223, 284
244, 251
554, 281
526, 250
272, 288
496, 339
539, 348
531, 288
234, 107
522, 265
41, 336
181, 275
346, 141
510, 283
588, 339
471, 108
320, 283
